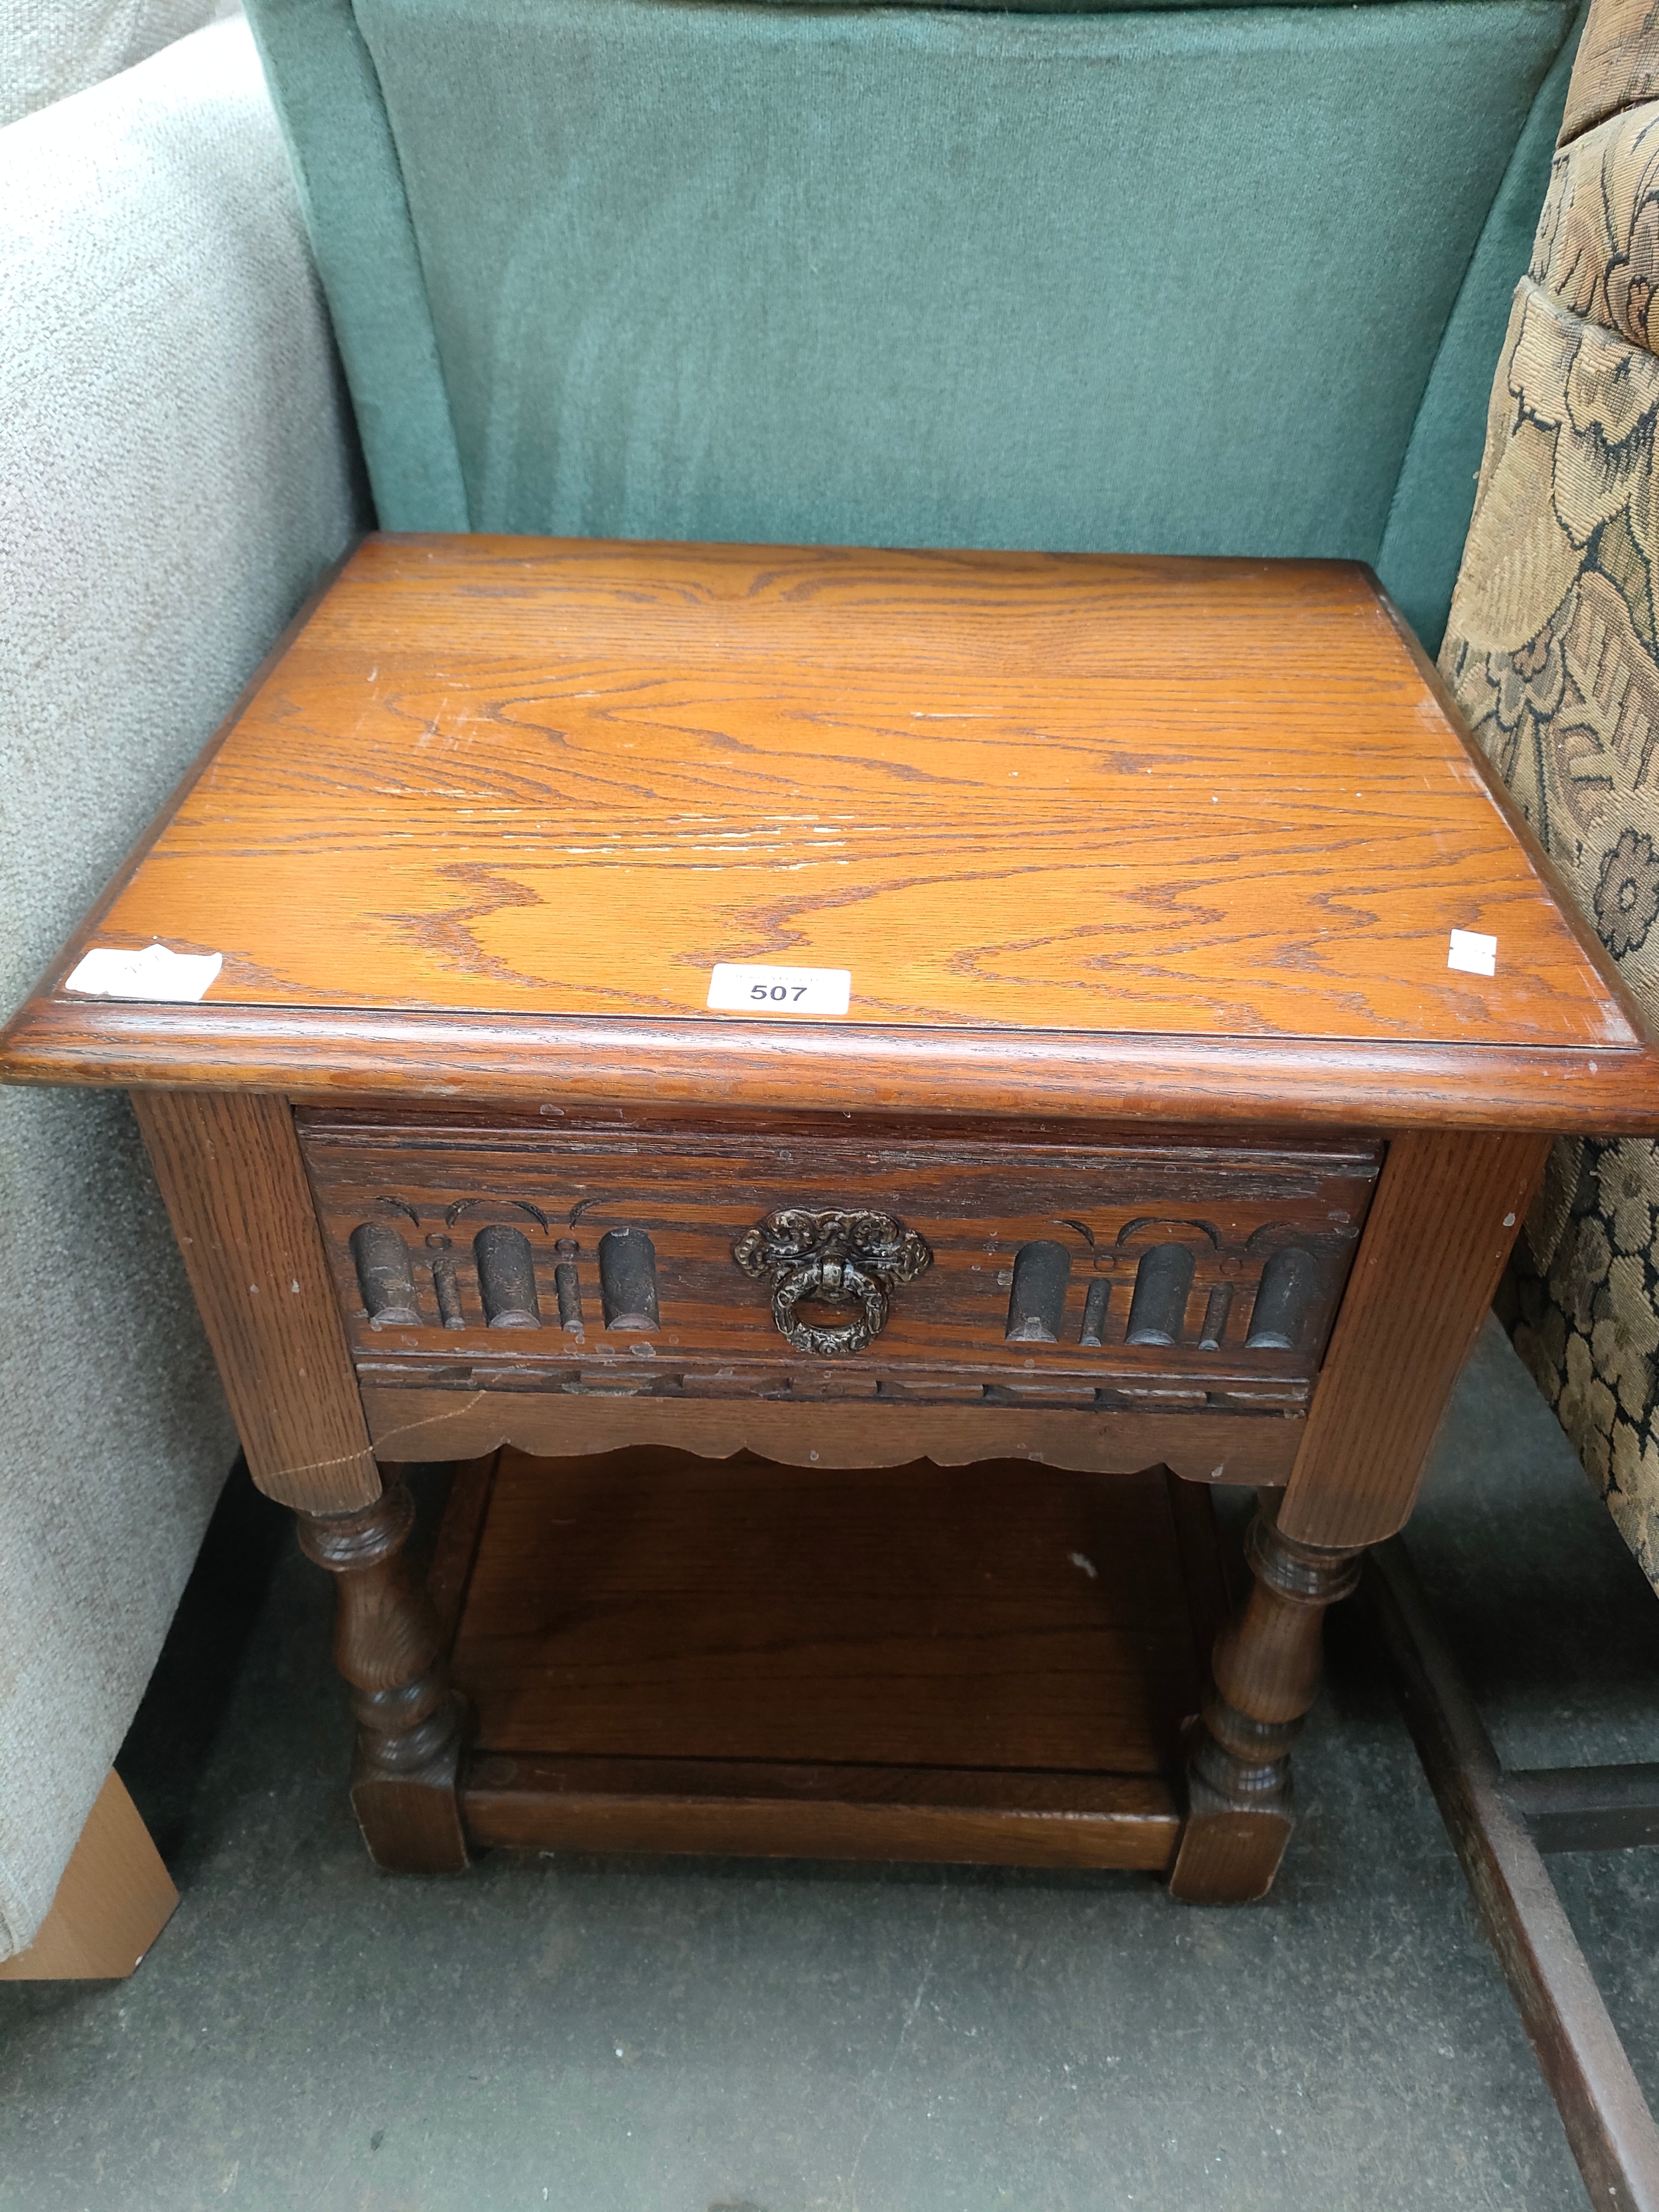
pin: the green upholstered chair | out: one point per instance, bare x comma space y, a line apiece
1180, 280
1177, 280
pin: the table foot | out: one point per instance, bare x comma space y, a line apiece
388, 1645
1267, 1669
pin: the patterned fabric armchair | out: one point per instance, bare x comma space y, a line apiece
1552, 651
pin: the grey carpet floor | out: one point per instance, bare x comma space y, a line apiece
738, 2037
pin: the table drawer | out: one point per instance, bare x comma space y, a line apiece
662, 1258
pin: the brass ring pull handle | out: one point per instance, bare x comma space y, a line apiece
813, 1279
835, 1259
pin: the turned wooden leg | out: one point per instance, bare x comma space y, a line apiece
388, 1645
1267, 1668
1436, 1239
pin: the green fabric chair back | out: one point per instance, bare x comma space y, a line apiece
1184, 280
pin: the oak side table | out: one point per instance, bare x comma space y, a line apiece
842, 1089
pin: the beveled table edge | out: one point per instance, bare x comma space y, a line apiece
330, 1052
324, 1054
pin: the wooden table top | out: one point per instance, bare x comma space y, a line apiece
1088, 835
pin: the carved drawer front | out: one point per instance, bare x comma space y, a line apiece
819, 1261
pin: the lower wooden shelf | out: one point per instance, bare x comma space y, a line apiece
986, 1664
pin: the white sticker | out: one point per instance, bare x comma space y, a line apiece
1475, 954
155, 971
734, 989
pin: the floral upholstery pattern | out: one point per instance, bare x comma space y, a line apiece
1617, 64
1552, 651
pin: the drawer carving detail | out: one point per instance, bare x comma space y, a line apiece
384, 1275
506, 1277
1163, 1280
831, 1258
1217, 1307
445, 1283
567, 1286
1037, 1302
628, 1278
1290, 1284
1111, 1269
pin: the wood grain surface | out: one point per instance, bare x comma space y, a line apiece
648, 1605
322, 1054
749, 1808
229, 1170
637, 1598
1256, 1449
1083, 802
1441, 1224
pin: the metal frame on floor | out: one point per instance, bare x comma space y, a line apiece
1502, 1824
